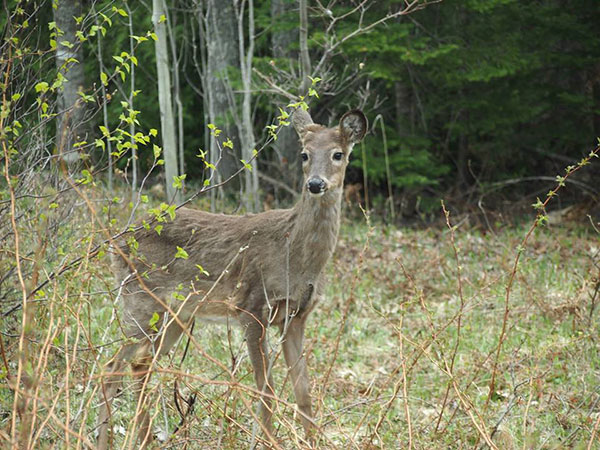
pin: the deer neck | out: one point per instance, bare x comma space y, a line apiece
315, 230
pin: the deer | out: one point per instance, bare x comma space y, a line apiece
258, 270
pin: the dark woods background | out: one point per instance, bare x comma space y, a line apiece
480, 102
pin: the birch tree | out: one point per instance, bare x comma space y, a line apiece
167, 120
247, 141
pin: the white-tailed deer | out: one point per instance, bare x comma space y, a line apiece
275, 280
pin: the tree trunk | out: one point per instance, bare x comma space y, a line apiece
70, 120
177, 95
134, 157
167, 121
282, 40
222, 54
304, 55
247, 142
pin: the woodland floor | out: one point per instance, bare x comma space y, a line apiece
402, 350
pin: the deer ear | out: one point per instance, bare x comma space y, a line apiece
301, 119
353, 126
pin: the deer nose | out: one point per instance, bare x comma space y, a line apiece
316, 185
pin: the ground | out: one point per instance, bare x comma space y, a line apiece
402, 349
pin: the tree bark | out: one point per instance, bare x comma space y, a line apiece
247, 141
70, 127
222, 54
282, 40
167, 121
304, 55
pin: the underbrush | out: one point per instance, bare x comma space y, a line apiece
414, 344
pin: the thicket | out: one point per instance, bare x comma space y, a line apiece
477, 102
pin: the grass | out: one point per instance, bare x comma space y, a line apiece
401, 349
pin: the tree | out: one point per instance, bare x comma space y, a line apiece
246, 131
284, 42
70, 126
164, 97
222, 56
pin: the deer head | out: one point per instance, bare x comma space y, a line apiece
326, 151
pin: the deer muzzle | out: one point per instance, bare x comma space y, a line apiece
316, 186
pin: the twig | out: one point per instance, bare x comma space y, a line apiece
541, 206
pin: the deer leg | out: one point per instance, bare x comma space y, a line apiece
141, 375
138, 354
141, 369
293, 344
108, 389
256, 334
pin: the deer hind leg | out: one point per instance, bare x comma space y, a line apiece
109, 386
256, 339
141, 376
139, 355
293, 344
142, 371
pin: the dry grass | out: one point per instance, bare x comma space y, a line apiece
403, 348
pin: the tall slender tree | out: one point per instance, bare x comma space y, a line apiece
247, 142
70, 127
222, 56
284, 40
167, 120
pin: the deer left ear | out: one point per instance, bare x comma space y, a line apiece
353, 126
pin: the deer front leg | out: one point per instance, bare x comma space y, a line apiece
293, 343
256, 335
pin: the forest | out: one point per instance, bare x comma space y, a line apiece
458, 309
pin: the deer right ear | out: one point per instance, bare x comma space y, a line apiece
301, 119
353, 125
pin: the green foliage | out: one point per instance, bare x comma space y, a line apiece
487, 83
411, 162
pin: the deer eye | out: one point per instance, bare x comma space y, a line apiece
304, 156
338, 156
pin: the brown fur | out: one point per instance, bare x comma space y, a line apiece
263, 269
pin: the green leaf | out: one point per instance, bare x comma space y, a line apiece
181, 253
171, 211
246, 165
153, 321
202, 271
156, 149
120, 11
42, 87
104, 78
177, 181
87, 177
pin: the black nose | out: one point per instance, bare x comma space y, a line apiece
316, 185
